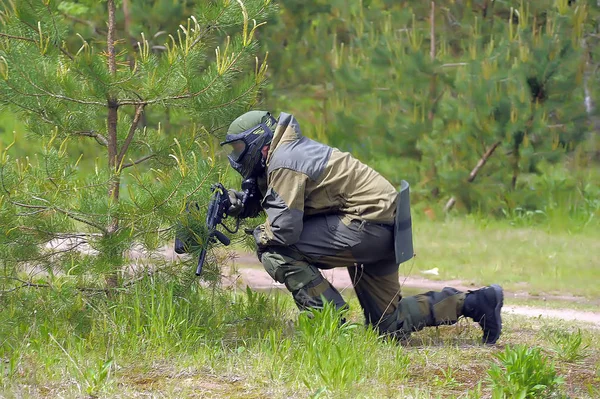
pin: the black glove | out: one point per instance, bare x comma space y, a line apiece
251, 200
235, 197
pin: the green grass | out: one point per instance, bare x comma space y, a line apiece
532, 259
579, 304
172, 339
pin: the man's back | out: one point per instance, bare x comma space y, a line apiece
332, 181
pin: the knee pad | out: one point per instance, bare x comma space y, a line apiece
293, 272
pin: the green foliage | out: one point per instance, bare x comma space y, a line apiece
424, 102
523, 372
568, 346
124, 139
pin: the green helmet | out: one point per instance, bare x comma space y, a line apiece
247, 135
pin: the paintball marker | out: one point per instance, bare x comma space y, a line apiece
218, 208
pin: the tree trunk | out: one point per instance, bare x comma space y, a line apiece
516, 157
590, 107
433, 97
112, 279
474, 172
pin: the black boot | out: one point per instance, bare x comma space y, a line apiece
484, 306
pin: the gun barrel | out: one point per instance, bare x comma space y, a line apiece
201, 261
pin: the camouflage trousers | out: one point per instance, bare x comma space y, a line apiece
367, 251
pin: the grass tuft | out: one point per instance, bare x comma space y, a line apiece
523, 373
568, 346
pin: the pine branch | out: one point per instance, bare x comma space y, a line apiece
138, 161
99, 137
56, 44
195, 190
32, 213
60, 96
154, 231
49, 255
29, 206
179, 183
454, 64
62, 50
17, 37
163, 99
40, 113
235, 99
474, 172
208, 29
24, 283
143, 187
63, 211
80, 219
49, 94
181, 96
59, 235
81, 21
136, 119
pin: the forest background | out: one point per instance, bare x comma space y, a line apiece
488, 108
512, 84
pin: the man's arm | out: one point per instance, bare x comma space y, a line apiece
284, 206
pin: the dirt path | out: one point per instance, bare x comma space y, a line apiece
253, 275
249, 272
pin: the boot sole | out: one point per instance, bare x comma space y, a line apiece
498, 309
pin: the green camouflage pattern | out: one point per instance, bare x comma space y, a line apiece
307, 178
303, 280
366, 249
326, 209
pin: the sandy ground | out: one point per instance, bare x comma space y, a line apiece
248, 271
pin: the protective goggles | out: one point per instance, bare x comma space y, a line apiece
242, 141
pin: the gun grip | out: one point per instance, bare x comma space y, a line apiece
179, 246
222, 237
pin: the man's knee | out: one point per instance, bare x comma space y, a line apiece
289, 269
303, 280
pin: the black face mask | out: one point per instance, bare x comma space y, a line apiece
246, 155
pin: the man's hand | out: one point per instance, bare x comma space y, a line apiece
260, 248
235, 197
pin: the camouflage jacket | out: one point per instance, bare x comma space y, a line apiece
307, 178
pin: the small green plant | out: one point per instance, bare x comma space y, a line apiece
568, 346
475, 393
446, 380
97, 376
8, 367
523, 373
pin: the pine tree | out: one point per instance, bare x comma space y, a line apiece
111, 97
431, 91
